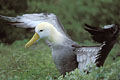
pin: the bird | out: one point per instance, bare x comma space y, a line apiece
68, 54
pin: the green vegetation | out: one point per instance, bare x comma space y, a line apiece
73, 15
18, 63
35, 63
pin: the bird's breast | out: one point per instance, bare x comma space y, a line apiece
64, 58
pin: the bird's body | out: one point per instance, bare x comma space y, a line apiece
61, 46
64, 58
67, 54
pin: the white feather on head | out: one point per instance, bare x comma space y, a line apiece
48, 31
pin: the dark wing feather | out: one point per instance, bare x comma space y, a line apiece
92, 27
101, 34
103, 53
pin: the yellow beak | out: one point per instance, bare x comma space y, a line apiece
33, 40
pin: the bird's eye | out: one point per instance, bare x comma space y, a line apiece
41, 30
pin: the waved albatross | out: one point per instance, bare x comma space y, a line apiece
67, 54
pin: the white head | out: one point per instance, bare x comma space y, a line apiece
44, 29
47, 31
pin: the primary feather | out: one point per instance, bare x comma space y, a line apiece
32, 20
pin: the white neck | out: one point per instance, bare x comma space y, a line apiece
56, 37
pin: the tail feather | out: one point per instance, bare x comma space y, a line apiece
108, 38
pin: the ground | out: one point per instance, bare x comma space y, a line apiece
35, 63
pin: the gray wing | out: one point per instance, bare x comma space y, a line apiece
31, 20
87, 55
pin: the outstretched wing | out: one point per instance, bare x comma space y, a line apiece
31, 20
101, 34
86, 56
97, 54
